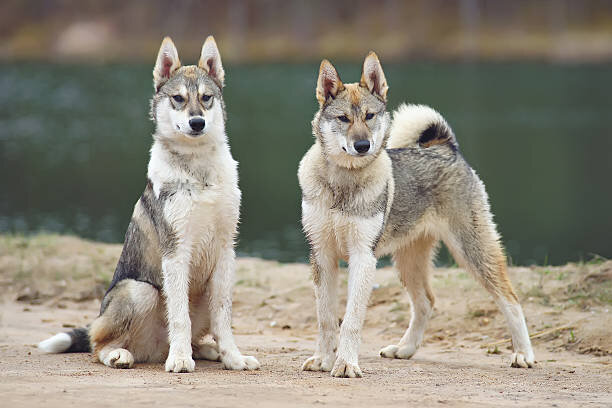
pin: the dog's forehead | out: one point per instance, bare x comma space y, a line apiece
194, 79
355, 97
355, 94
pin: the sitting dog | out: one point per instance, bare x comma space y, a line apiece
173, 283
371, 188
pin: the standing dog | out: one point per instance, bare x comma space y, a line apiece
173, 283
370, 189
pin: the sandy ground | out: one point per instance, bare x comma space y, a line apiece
51, 283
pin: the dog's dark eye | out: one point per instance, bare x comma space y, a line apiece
344, 118
206, 98
369, 116
178, 98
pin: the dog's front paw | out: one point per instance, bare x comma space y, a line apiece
520, 360
177, 363
345, 369
240, 362
120, 358
317, 363
404, 352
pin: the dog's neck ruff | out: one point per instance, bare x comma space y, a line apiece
175, 162
335, 177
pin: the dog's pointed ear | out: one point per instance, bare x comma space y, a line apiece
329, 83
373, 77
167, 62
210, 60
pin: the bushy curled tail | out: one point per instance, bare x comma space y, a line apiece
419, 125
75, 341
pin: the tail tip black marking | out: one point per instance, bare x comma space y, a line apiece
436, 133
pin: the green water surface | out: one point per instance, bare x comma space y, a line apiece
74, 143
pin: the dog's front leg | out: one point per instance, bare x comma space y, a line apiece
176, 292
220, 296
324, 266
361, 269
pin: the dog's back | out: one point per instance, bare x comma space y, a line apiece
429, 173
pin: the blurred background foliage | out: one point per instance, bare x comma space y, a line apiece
295, 30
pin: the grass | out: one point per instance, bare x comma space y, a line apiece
496, 350
13, 242
477, 313
250, 283
595, 259
398, 307
572, 337
463, 275
399, 319
104, 278
582, 284
55, 258
537, 292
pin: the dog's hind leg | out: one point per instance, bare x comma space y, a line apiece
130, 327
414, 264
202, 343
206, 351
474, 243
116, 357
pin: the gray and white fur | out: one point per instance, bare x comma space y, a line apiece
372, 187
173, 283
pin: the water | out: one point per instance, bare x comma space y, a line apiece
74, 147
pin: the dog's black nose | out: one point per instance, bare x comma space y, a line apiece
362, 146
197, 124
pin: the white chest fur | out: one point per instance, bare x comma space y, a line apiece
204, 205
344, 233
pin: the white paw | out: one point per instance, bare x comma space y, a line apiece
240, 362
178, 363
119, 358
519, 360
317, 363
404, 352
344, 369
207, 352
